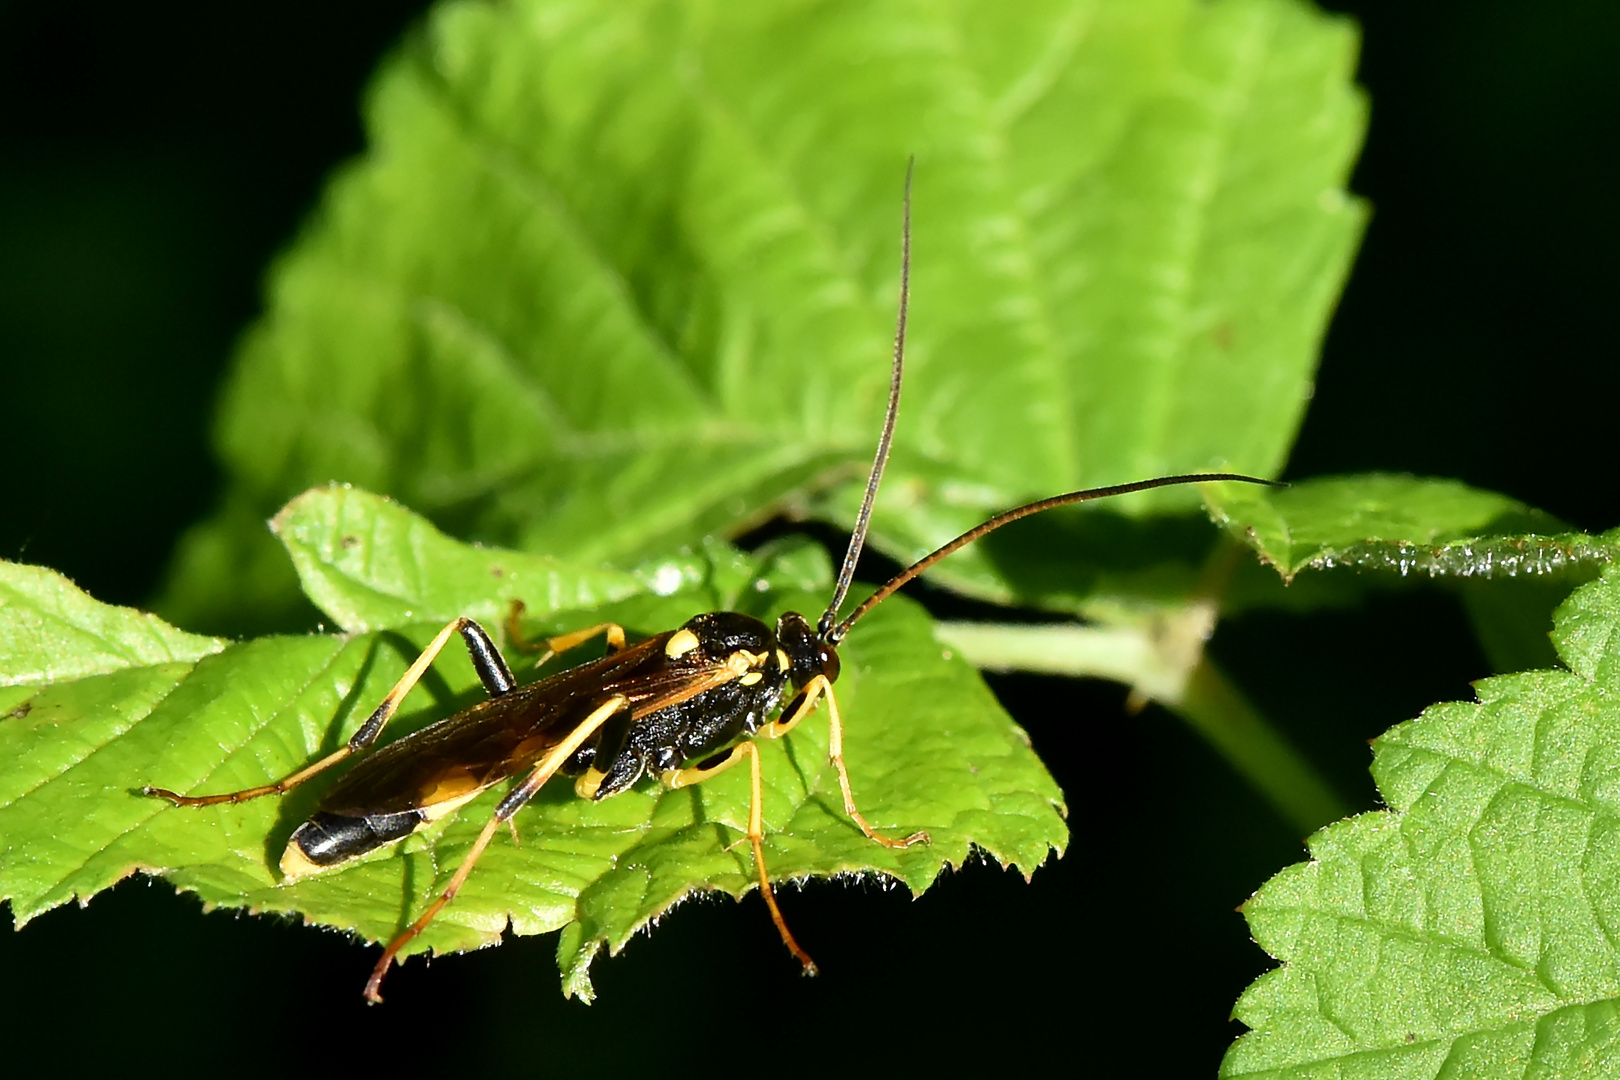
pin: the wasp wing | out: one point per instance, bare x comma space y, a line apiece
446, 763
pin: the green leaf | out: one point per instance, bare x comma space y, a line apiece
370, 563
52, 632
1404, 525
927, 747
1470, 929
615, 276
1510, 564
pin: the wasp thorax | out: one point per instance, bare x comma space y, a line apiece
718, 635
808, 655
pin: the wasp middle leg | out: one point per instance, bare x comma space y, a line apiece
550, 647
680, 778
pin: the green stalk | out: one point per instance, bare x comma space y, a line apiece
1160, 667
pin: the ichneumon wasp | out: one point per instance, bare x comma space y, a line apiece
682, 705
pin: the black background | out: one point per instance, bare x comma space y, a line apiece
156, 158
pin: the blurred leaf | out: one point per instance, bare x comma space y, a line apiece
1513, 618
614, 276
237, 579
927, 746
1470, 929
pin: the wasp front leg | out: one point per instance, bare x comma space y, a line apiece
486, 658
797, 710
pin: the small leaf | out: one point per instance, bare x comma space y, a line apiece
1510, 565
368, 563
1471, 929
1405, 525
52, 632
927, 746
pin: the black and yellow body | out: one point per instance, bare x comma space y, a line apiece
683, 696
654, 707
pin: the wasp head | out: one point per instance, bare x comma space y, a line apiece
809, 654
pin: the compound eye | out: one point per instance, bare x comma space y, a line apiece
829, 662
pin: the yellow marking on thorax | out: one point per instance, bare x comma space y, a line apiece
782, 660
680, 643
742, 662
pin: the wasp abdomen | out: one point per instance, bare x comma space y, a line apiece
327, 839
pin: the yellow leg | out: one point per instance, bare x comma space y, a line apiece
819, 687
679, 778
373, 991
519, 795
562, 643
756, 840
806, 705
364, 737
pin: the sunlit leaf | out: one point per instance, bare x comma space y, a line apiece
1404, 525
1470, 929
368, 563
1510, 564
50, 631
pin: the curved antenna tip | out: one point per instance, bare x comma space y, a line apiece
1006, 517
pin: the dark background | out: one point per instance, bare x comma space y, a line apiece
156, 158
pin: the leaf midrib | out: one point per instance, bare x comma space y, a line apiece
1157, 404
1061, 438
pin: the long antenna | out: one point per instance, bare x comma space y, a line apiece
857, 539
836, 634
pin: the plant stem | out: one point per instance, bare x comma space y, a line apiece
1260, 753
1183, 681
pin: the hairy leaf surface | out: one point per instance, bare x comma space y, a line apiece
1471, 928
1405, 525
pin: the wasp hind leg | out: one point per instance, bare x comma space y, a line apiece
679, 778
486, 658
514, 801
